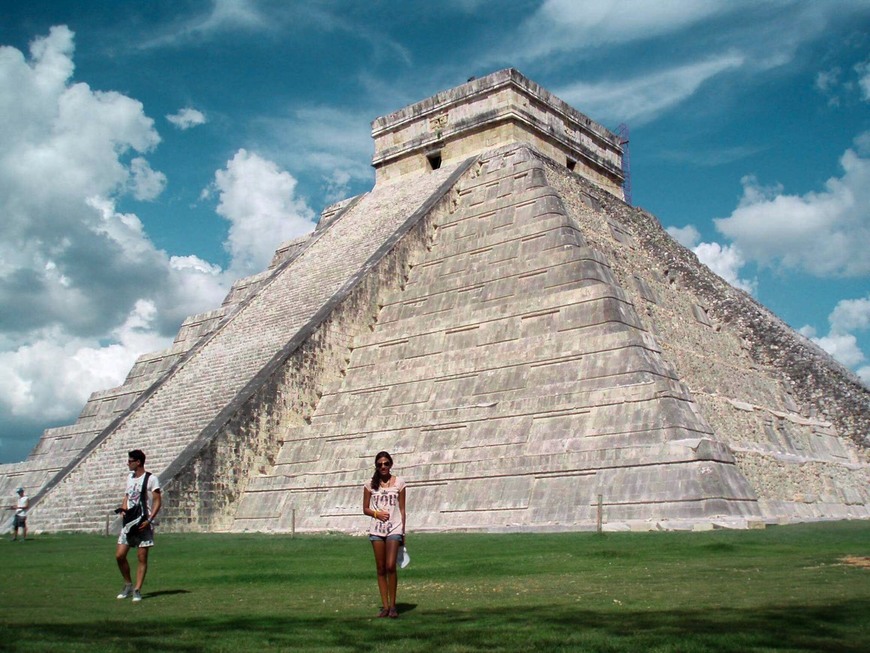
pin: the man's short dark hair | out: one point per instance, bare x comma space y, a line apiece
137, 454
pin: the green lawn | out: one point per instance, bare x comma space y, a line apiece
781, 589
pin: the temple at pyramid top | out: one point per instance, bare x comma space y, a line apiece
501, 108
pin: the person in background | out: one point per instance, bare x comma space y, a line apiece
141, 535
20, 518
384, 501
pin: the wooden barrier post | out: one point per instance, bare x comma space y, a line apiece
600, 511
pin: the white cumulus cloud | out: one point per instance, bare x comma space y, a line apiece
259, 200
54, 375
66, 151
83, 289
724, 260
843, 347
848, 317
145, 183
687, 236
186, 118
825, 233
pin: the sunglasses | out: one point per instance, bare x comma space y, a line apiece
383, 464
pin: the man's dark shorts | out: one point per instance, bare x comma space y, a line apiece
19, 522
136, 538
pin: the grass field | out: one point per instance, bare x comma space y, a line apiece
786, 588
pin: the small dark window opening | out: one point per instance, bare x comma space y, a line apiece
434, 160
571, 163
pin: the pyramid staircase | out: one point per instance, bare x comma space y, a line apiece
193, 400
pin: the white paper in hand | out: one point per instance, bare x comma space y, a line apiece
403, 559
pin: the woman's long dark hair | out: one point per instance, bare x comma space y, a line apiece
376, 479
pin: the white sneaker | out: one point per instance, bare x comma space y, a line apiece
126, 592
137, 596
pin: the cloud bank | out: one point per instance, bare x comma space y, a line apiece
83, 289
825, 233
848, 317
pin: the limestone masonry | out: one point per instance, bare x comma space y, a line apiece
535, 353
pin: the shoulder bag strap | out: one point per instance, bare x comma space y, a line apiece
143, 495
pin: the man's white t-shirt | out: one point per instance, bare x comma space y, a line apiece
134, 489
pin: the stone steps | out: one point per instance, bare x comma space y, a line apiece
645, 400
192, 396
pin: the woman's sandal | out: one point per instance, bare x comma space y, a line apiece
385, 612
392, 613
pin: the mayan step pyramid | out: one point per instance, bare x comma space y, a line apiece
535, 353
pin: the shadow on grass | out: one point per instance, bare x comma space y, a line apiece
154, 595
839, 627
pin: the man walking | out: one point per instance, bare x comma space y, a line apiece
143, 488
20, 519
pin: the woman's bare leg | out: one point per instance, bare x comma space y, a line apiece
392, 552
380, 550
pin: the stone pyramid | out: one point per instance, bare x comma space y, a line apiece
536, 354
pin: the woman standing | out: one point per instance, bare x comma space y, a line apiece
384, 501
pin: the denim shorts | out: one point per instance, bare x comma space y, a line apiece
382, 538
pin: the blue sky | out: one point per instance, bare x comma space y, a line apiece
153, 152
